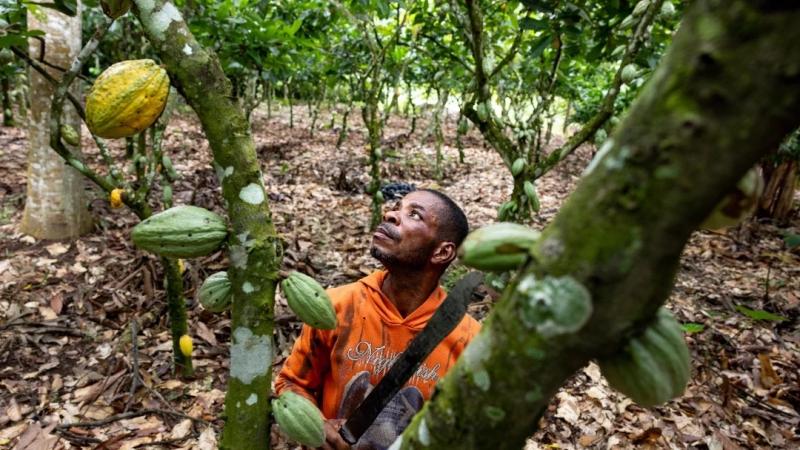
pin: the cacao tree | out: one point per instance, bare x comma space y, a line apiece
379, 27
509, 99
253, 247
55, 204
146, 160
606, 264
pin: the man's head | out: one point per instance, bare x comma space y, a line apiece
422, 231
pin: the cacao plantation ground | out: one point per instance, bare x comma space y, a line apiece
65, 307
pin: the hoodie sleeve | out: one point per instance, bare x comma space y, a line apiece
306, 366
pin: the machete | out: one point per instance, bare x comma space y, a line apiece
443, 321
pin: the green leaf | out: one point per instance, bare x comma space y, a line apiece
791, 240
691, 327
529, 23
540, 45
758, 314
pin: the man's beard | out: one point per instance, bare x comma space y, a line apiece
416, 261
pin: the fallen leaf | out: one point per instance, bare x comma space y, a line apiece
56, 249
182, 429
207, 440
767, 373
57, 302
206, 334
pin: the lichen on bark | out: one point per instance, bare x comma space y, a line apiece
201, 81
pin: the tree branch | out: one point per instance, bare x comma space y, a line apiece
607, 262
606, 109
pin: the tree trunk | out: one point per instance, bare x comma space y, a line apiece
56, 205
780, 181
254, 246
607, 261
8, 111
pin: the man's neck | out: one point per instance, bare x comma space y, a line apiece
408, 290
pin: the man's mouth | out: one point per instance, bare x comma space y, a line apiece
384, 231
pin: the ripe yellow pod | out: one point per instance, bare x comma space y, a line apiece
127, 98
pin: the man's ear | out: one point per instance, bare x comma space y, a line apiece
444, 253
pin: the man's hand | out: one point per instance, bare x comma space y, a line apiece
333, 441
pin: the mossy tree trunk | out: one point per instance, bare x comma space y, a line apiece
254, 247
725, 94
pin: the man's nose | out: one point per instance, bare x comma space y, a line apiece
392, 217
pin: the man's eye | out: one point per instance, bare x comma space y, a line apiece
415, 214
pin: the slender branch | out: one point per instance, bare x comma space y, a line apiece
448, 52
509, 56
551, 84
57, 107
101, 145
607, 106
75, 102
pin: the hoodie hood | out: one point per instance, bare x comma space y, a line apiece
389, 313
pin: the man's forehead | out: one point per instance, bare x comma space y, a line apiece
430, 203
424, 199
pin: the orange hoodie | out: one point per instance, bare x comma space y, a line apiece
328, 366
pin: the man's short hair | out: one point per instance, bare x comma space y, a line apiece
454, 226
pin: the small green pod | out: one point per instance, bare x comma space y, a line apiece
518, 166
299, 419
308, 299
498, 247
215, 292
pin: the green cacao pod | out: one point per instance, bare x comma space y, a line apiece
506, 209
309, 301
181, 232
169, 169
299, 419
483, 111
667, 10
497, 247
6, 56
127, 98
166, 195
640, 8
533, 196
628, 22
115, 8
379, 197
518, 166
463, 126
600, 136
69, 135
215, 292
738, 204
629, 73
654, 366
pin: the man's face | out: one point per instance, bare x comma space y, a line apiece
407, 237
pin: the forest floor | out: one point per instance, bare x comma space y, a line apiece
68, 383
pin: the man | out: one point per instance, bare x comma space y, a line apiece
378, 316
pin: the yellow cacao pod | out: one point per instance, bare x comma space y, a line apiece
115, 197
185, 344
127, 98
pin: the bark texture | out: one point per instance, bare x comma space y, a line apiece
725, 94
56, 205
254, 247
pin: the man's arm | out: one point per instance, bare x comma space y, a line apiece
306, 366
